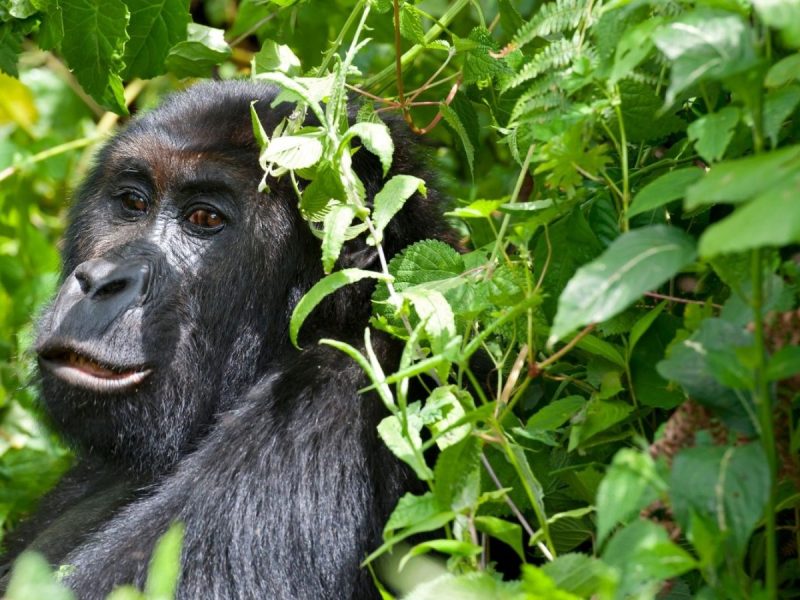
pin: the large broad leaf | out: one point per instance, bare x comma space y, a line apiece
735, 181
634, 263
697, 362
644, 555
292, 151
670, 186
772, 219
156, 26
705, 44
727, 488
94, 41
204, 48
713, 132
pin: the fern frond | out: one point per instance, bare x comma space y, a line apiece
542, 93
553, 56
554, 17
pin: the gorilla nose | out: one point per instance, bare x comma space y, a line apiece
120, 284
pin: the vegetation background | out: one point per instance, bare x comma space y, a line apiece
626, 177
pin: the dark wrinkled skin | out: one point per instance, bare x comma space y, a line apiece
267, 454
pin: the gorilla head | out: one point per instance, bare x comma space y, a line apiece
180, 277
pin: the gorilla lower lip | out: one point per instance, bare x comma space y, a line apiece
82, 371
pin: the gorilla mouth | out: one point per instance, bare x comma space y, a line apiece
83, 371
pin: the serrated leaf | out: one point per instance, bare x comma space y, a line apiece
204, 48
292, 151
634, 263
338, 219
738, 180
453, 120
626, 488
94, 42
155, 26
705, 45
478, 63
411, 24
713, 132
275, 57
376, 138
410, 510
643, 113
405, 445
317, 196
324, 287
391, 199
663, 190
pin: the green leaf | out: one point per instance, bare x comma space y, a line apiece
317, 196
644, 556
165, 565
598, 416
688, 364
292, 151
94, 42
377, 138
633, 47
452, 119
778, 106
506, 532
642, 325
600, 347
471, 586
479, 65
275, 57
411, 24
320, 290
738, 180
771, 220
155, 26
643, 114
436, 313
10, 47
449, 547
457, 474
390, 200
625, 490
670, 186
785, 363
783, 15
204, 48
713, 132
32, 578
727, 487
705, 45
338, 219
555, 414
411, 510
405, 445
784, 71
634, 263
585, 576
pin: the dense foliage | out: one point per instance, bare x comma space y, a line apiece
612, 364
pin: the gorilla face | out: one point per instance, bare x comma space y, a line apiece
174, 267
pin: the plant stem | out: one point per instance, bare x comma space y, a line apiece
49, 153
379, 80
763, 403
500, 244
623, 157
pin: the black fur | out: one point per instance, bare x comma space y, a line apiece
268, 455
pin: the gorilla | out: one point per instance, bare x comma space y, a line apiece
165, 362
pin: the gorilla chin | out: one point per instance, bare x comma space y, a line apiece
165, 361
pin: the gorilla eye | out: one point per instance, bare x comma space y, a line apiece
133, 202
206, 218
